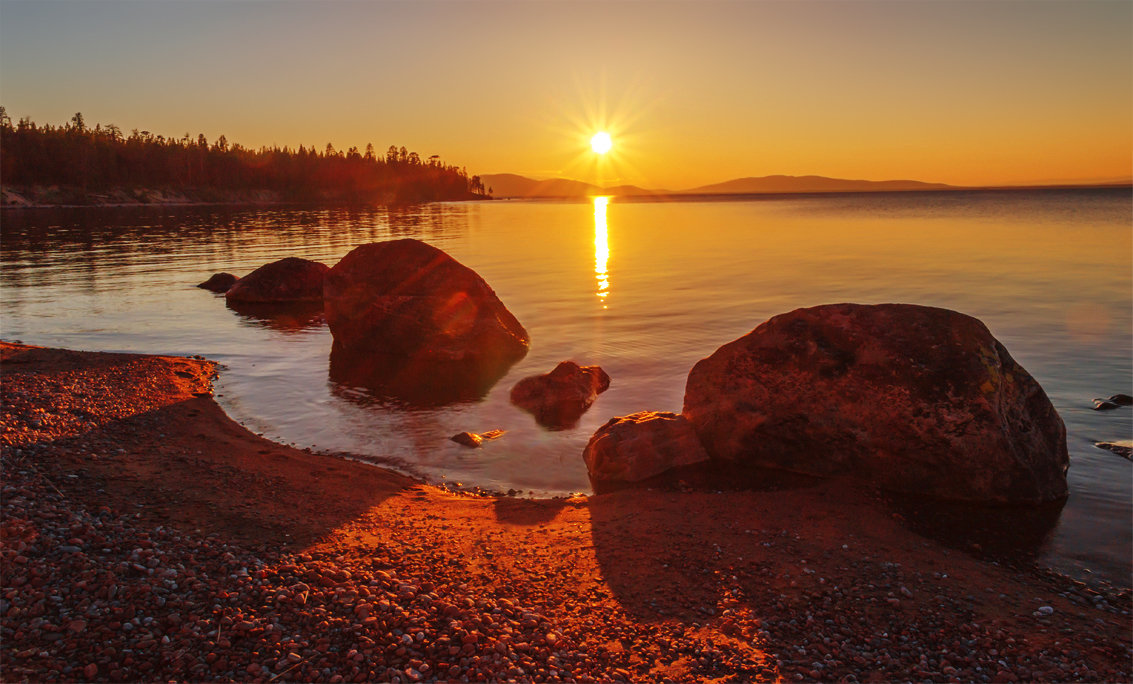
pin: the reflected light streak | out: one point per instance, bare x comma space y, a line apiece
601, 248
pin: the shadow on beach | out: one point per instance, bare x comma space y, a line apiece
174, 457
689, 554
1007, 533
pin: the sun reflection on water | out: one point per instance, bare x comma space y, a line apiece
601, 248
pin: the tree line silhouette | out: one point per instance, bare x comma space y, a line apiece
104, 158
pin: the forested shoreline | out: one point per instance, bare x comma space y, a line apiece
76, 163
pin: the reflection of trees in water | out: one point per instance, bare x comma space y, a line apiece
421, 220
108, 242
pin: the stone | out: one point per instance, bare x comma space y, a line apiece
1121, 447
1116, 401
219, 282
468, 439
559, 398
474, 440
907, 398
404, 315
287, 280
635, 448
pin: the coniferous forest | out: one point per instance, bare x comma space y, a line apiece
96, 159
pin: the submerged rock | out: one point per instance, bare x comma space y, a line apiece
287, 280
418, 307
635, 448
559, 398
219, 282
909, 398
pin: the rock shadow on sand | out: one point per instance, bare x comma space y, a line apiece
728, 533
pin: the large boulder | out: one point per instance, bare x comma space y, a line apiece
910, 398
287, 280
409, 300
635, 449
559, 398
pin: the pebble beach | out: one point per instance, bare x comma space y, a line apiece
145, 536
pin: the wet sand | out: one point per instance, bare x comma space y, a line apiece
146, 536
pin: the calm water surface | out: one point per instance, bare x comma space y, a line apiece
645, 289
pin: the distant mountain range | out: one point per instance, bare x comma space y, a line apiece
778, 184
513, 185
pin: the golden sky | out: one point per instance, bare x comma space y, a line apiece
987, 92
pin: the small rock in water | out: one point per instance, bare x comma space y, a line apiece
1045, 610
1123, 448
1113, 402
474, 440
468, 439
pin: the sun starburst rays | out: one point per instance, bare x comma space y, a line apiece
591, 113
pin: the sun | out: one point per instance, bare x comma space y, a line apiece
601, 142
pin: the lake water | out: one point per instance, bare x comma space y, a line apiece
644, 289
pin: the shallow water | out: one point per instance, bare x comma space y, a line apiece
645, 289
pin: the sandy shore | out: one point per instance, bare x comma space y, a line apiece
145, 536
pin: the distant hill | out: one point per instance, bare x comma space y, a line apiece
633, 191
514, 185
786, 184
